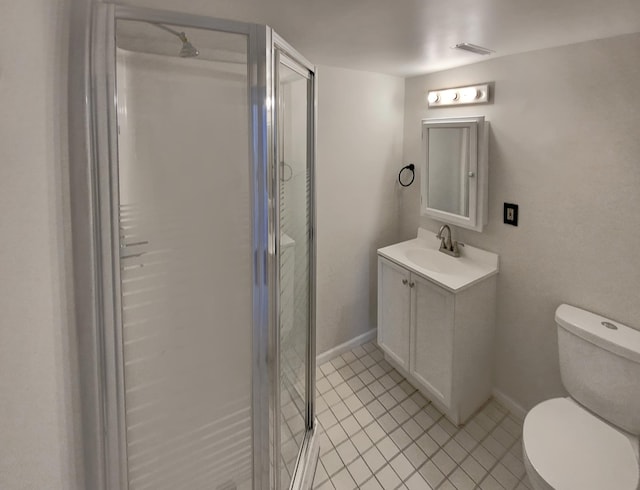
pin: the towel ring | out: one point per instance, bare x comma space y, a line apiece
412, 168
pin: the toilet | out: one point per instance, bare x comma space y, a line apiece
589, 440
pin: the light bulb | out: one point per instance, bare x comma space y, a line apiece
468, 94
449, 96
433, 97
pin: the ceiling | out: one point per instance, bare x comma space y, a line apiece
410, 37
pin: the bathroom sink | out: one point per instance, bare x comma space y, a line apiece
435, 261
421, 256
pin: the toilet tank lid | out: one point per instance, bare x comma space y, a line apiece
617, 338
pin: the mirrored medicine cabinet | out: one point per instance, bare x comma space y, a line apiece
454, 171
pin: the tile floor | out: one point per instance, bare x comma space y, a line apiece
379, 432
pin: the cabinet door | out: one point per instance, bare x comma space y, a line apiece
432, 337
394, 311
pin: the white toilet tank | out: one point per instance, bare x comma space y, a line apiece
600, 365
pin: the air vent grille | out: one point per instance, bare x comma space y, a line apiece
473, 48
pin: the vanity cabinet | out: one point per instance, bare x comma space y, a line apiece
431, 339
440, 340
393, 286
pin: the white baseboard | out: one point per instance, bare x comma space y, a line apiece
347, 346
510, 404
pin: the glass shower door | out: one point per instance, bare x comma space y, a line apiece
294, 161
204, 255
185, 238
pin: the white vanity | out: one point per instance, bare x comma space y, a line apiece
436, 317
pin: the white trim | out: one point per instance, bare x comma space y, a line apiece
509, 403
346, 346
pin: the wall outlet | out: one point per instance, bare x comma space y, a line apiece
511, 214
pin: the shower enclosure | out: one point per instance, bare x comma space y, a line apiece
202, 199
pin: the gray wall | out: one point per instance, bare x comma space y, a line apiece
565, 146
39, 434
359, 155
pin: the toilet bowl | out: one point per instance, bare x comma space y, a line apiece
567, 447
588, 441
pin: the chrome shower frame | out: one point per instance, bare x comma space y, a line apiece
283, 53
96, 250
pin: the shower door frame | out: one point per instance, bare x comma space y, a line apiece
101, 366
283, 52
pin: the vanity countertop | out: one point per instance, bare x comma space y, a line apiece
421, 256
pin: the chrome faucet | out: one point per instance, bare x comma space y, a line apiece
447, 245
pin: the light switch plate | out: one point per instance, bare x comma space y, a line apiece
511, 214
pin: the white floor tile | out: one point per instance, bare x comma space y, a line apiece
461, 480
343, 480
402, 466
371, 484
504, 476
400, 437
431, 474
490, 483
444, 463
347, 452
375, 431
332, 462
404, 431
363, 417
336, 434
326, 485
387, 447
374, 459
416, 482
484, 457
455, 451
350, 425
474, 469
427, 444
359, 471
361, 441
415, 455
388, 478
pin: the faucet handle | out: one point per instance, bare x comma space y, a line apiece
455, 248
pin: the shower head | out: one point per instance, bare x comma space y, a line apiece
188, 50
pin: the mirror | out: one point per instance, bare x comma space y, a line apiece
448, 169
454, 171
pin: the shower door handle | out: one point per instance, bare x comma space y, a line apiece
127, 246
134, 244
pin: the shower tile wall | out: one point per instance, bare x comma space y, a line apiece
379, 432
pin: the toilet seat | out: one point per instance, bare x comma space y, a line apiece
569, 449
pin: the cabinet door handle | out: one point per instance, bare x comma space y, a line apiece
412, 284
404, 281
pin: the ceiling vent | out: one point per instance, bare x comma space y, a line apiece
473, 48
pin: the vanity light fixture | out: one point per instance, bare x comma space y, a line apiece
472, 94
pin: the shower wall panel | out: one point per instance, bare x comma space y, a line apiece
185, 213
